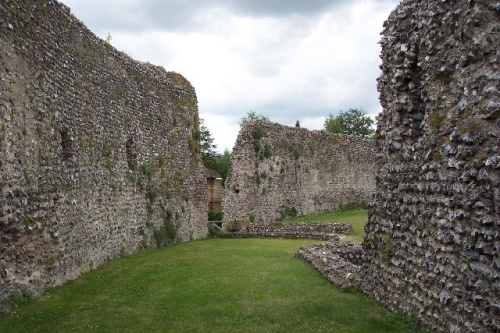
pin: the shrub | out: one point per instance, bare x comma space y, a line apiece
14, 299
215, 215
251, 217
167, 234
267, 151
387, 250
213, 231
288, 212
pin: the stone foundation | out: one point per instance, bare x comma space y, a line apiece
340, 262
302, 230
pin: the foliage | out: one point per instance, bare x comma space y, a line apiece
213, 231
251, 115
387, 250
215, 215
297, 123
15, 299
223, 165
211, 159
107, 40
207, 146
267, 151
435, 120
238, 285
353, 121
289, 212
167, 234
251, 217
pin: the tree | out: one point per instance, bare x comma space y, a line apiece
210, 157
297, 123
353, 121
207, 146
223, 164
251, 115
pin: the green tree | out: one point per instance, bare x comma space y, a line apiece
353, 121
223, 165
207, 146
251, 115
210, 157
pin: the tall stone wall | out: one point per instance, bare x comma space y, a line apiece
432, 241
99, 153
278, 170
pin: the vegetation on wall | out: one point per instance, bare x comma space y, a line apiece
353, 121
251, 116
167, 233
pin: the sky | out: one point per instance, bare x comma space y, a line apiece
288, 60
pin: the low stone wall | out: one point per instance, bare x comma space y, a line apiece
321, 231
340, 262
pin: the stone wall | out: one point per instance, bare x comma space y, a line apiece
279, 171
340, 262
293, 230
99, 153
433, 237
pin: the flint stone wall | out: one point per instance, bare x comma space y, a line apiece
340, 262
304, 230
278, 171
432, 241
97, 151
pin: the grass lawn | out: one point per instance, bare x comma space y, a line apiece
357, 218
213, 285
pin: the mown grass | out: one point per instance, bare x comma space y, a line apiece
214, 285
357, 218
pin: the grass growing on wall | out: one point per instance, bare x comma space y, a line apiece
216, 285
357, 218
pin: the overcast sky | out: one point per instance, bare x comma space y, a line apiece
286, 59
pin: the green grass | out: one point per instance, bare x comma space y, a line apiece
357, 218
214, 285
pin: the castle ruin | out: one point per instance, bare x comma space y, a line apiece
99, 153
279, 171
432, 241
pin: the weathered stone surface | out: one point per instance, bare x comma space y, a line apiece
338, 261
97, 150
304, 230
432, 240
278, 171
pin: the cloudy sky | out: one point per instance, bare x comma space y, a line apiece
286, 59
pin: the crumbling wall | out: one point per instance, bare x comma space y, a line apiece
432, 240
279, 171
99, 153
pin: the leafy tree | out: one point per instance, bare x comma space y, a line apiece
251, 115
207, 146
297, 123
353, 121
210, 157
223, 165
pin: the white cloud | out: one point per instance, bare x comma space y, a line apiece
288, 60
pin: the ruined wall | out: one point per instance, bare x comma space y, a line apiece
99, 153
278, 170
433, 237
